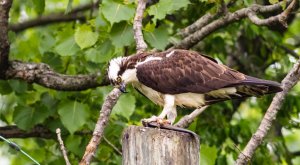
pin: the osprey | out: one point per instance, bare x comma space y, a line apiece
184, 78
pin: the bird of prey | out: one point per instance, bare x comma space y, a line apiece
184, 78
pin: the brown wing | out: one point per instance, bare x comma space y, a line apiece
187, 71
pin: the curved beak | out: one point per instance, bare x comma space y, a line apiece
123, 87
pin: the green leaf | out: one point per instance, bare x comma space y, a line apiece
39, 6
5, 88
273, 1
73, 145
65, 43
85, 37
158, 38
73, 115
26, 117
208, 154
122, 35
18, 86
125, 106
164, 7
47, 42
116, 12
67, 48
102, 53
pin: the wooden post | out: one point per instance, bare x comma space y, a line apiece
153, 146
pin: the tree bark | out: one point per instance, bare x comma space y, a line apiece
148, 146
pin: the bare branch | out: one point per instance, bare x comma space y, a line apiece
185, 121
282, 17
141, 45
107, 106
46, 20
15, 132
43, 75
287, 83
39, 131
4, 44
228, 18
62, 146
203, 21
73, 15
112, 146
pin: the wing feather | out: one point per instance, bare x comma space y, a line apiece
187, 71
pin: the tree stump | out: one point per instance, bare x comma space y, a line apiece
153, 146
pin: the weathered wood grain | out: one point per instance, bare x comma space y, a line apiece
152, 146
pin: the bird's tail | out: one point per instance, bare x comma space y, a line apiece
255, 86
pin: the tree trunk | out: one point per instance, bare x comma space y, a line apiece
152, 146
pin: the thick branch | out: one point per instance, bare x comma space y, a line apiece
287, 83
197, 36
43, 75
107, 106
73, 15
4, 44
137, 26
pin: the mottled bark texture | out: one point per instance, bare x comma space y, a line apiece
148, 146
4, 43
106, 109
42, 74
141, 45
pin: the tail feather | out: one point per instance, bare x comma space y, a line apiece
264, 86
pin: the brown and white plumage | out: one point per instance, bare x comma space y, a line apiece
184, 78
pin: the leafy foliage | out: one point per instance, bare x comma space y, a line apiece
84, 47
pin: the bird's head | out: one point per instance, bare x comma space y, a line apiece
121, 71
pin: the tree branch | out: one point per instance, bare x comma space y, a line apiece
112, 145
43, 75
4, 44
75, 14
295, 154
107, 106
186, 120
46, 20
15, 132
141, 45
204, 20
228, 18
282, 17
287, 83
39, 131
62, 146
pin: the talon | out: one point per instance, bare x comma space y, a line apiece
155, 119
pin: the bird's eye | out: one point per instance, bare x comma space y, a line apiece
119, 79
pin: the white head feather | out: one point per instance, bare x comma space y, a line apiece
114, 67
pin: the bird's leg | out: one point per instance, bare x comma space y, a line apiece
169, 109
171, 116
